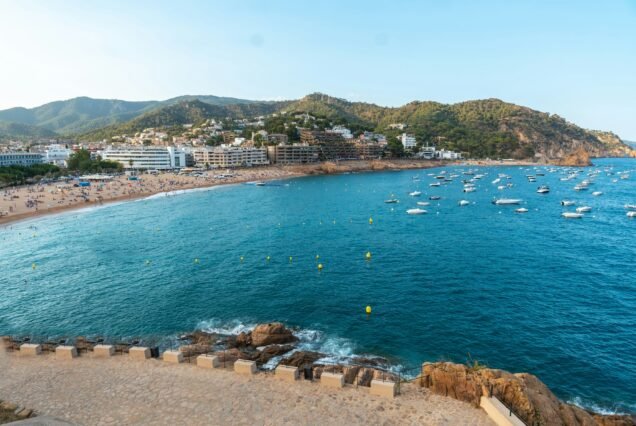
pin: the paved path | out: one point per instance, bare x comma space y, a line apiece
121, 391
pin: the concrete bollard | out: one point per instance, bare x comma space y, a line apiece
175, 357
287, 373
380, 388
332, 380
30, 349
103, 351
243, 366
139, 353
65, 352
208, 361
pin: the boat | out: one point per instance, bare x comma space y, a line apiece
416, 211
434, 197
580, 188
415, 194
501, 187
522, 210
631, 214
423, 203
470, 189
259, 183
392, 201
567, 203
583, 209
572, 215
464, 203
630, 206
435, 184
506, 201
543, 189
597, 193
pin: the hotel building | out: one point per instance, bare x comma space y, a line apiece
146, 158
20, 159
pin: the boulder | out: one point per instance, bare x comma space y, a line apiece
529, 398
272, 351
244, 339
273, 333
302, 358
195, 349
200, 337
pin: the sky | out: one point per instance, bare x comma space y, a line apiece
573, 58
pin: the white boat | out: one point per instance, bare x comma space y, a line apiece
259, 183
464, 203
506, 201
583, 209
434, 197
580, 188
435, 184
423, 203
496, 181
597, 193
416, 211
567, 203
543, 189
391, 201
522, 210
501, 187
470, 189
572, 215
630, 206
631, 214
415, 194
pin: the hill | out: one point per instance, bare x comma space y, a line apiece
10, 130
480, 128
184, 112
83, 114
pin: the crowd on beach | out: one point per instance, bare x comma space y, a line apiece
23, 201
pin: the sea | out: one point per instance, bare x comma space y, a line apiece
524, 292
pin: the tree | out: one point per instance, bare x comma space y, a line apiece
395, 148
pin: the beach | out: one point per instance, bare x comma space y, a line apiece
29, 201
122, 391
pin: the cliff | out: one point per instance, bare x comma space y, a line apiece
529, 398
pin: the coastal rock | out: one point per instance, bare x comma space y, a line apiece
580, 157
199, 337
302, 358
528, 397
272, 351
272, 333
194, 350
244, 339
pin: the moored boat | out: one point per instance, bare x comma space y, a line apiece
506, 201
522, 210
415, 194
464, 202
572, 215
415, 211
583, 209
567, 203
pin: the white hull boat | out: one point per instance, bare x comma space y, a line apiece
567, 203
415, 211
423, 203
583, 209
415, 194
572, 215
522, 210
506, 201
464, 202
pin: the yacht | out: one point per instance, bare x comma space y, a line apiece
416, 211
464, 203
583, 209
572, 215
543, 189
259, 183
567, 203
435, 184
630, 206
522, 210
392, 201
470, 189
506, 201
434, 197
423, 203
597, 193
415, 194
631, 214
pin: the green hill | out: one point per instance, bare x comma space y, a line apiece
9, 130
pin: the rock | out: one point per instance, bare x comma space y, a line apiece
302, 358
268, 334
579, 157
244, 339
199, 337
25, 413
528, 397
194, 350
271, 351
8, 406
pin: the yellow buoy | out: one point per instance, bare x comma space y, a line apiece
368, 255
33, 266
320, 266
317, 256
370, 221
368, 310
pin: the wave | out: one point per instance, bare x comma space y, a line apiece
592, 406
186, 191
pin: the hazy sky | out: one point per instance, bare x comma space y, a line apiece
573, 58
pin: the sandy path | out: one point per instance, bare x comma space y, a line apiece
120, 391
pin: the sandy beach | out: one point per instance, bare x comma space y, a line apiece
122, 391
18, 203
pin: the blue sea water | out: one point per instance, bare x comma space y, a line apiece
522, 292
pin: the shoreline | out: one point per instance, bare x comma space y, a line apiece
245, 175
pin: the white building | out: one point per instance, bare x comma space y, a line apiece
226, 156
57, 154
342, 131
427, 152
147, 158
442, 154
20, 159
408, 141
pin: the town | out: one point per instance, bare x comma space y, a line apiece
231, 143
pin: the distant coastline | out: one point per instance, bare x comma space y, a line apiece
264, 174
